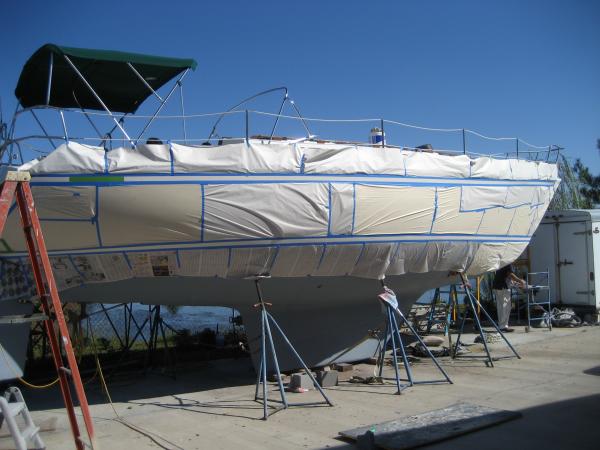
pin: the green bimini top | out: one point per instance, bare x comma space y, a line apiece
106, 71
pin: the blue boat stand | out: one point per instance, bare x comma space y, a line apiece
392, 334
470, 306
265, 319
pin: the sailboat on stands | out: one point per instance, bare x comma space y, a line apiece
183, 220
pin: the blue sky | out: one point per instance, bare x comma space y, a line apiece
507, 68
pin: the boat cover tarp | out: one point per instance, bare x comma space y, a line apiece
105, 70
290, 210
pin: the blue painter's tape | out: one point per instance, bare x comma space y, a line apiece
105, 162
329, 212
274, 258
97, 216
77, 270
461, 209
480, 222
322, 256
511, 222
249, 181
353, 207
127, 261
172, 157
302, 163
202, 214
362, 250
407, 237
435, 208
440, 180
177, 257
282, 244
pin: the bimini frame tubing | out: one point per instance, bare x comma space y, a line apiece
80, 75
162, 102
133, 142
17, 183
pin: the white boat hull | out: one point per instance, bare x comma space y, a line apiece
169, 224
328, 319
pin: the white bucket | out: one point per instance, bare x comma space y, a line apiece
377, 136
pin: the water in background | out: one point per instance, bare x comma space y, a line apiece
192, 318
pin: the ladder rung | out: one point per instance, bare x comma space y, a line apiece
15, 408
22, 318
30, 432
16, 175
66, 370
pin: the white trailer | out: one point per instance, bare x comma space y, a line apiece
567, 244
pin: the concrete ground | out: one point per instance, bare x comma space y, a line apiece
556, 386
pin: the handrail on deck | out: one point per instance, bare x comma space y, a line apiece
549, 153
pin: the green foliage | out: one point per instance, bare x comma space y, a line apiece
579, 189
589, 185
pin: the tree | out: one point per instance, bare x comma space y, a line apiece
589, 185
579, 189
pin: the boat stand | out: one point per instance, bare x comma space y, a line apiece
265, 318
392, 333
471, 306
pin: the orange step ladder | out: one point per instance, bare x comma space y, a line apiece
17, 183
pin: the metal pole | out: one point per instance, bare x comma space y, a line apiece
396, 329
182, 111
494, 324
381, 359
301, 118
144, 81
285, 97
264, 362
247, 131
464, 139
246, 100
275, 363
50, 70
394, 354
300, 360
517, 142
414, 332
64, 125
478, 325
382, 134
79, 74
162, 105
42, 127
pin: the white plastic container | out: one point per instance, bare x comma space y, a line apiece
377, 136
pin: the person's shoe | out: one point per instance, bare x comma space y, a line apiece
508, 330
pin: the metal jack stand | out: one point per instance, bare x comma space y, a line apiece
471, 306
392, 331
265, 334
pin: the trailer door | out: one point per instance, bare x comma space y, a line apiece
575, 251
